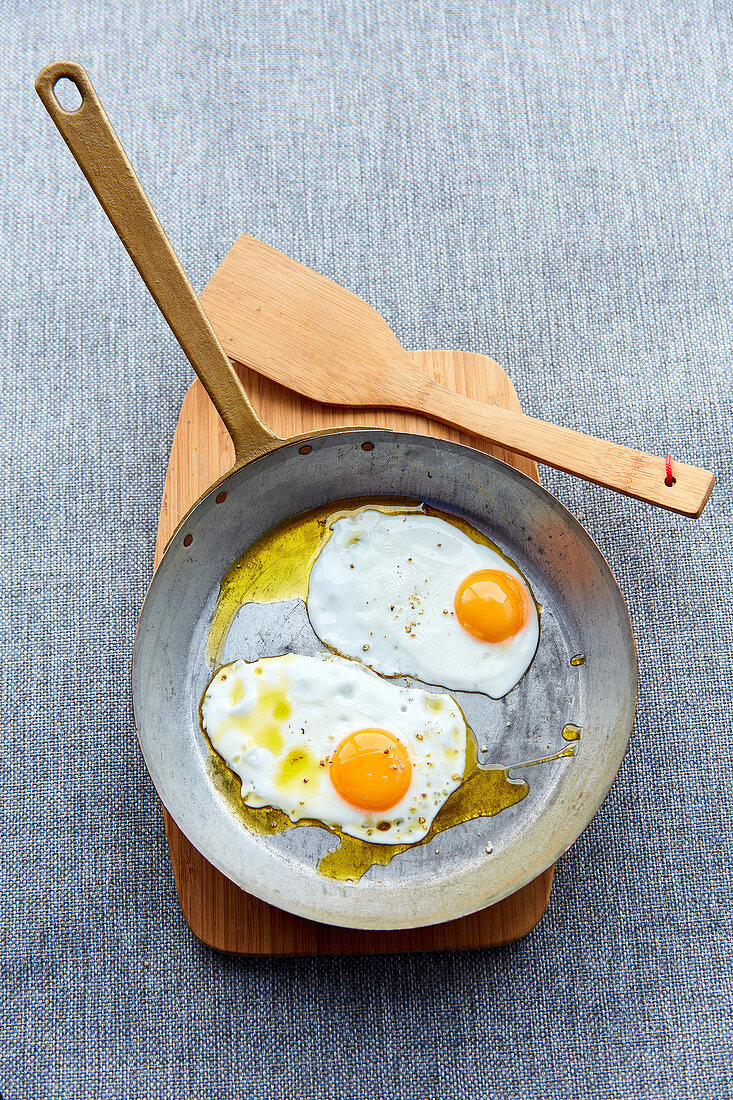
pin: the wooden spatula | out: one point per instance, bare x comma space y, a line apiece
298, 328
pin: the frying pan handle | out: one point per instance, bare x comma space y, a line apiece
89, 135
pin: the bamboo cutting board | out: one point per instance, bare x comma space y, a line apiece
217, 911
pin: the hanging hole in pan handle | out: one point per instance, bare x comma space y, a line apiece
64, 88
67, 95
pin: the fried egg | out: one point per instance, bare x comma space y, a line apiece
325, 739
410, 594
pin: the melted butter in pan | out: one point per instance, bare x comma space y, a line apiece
276, 567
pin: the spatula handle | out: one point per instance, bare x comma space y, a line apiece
634, 473
89, 135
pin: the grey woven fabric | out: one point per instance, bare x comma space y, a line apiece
549, 184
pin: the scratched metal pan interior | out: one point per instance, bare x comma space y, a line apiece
583, 613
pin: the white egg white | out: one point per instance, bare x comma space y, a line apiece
277, 721
382, 590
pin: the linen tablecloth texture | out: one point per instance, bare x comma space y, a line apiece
547, 184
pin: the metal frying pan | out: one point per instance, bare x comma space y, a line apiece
272, 480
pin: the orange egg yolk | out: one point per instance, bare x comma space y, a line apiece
370, 769
491, 605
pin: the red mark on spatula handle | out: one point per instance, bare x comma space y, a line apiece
669, 479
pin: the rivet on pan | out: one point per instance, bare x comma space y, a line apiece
305, 450
367, 446
221, 497
188, 540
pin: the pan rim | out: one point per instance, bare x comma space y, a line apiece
574, 825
